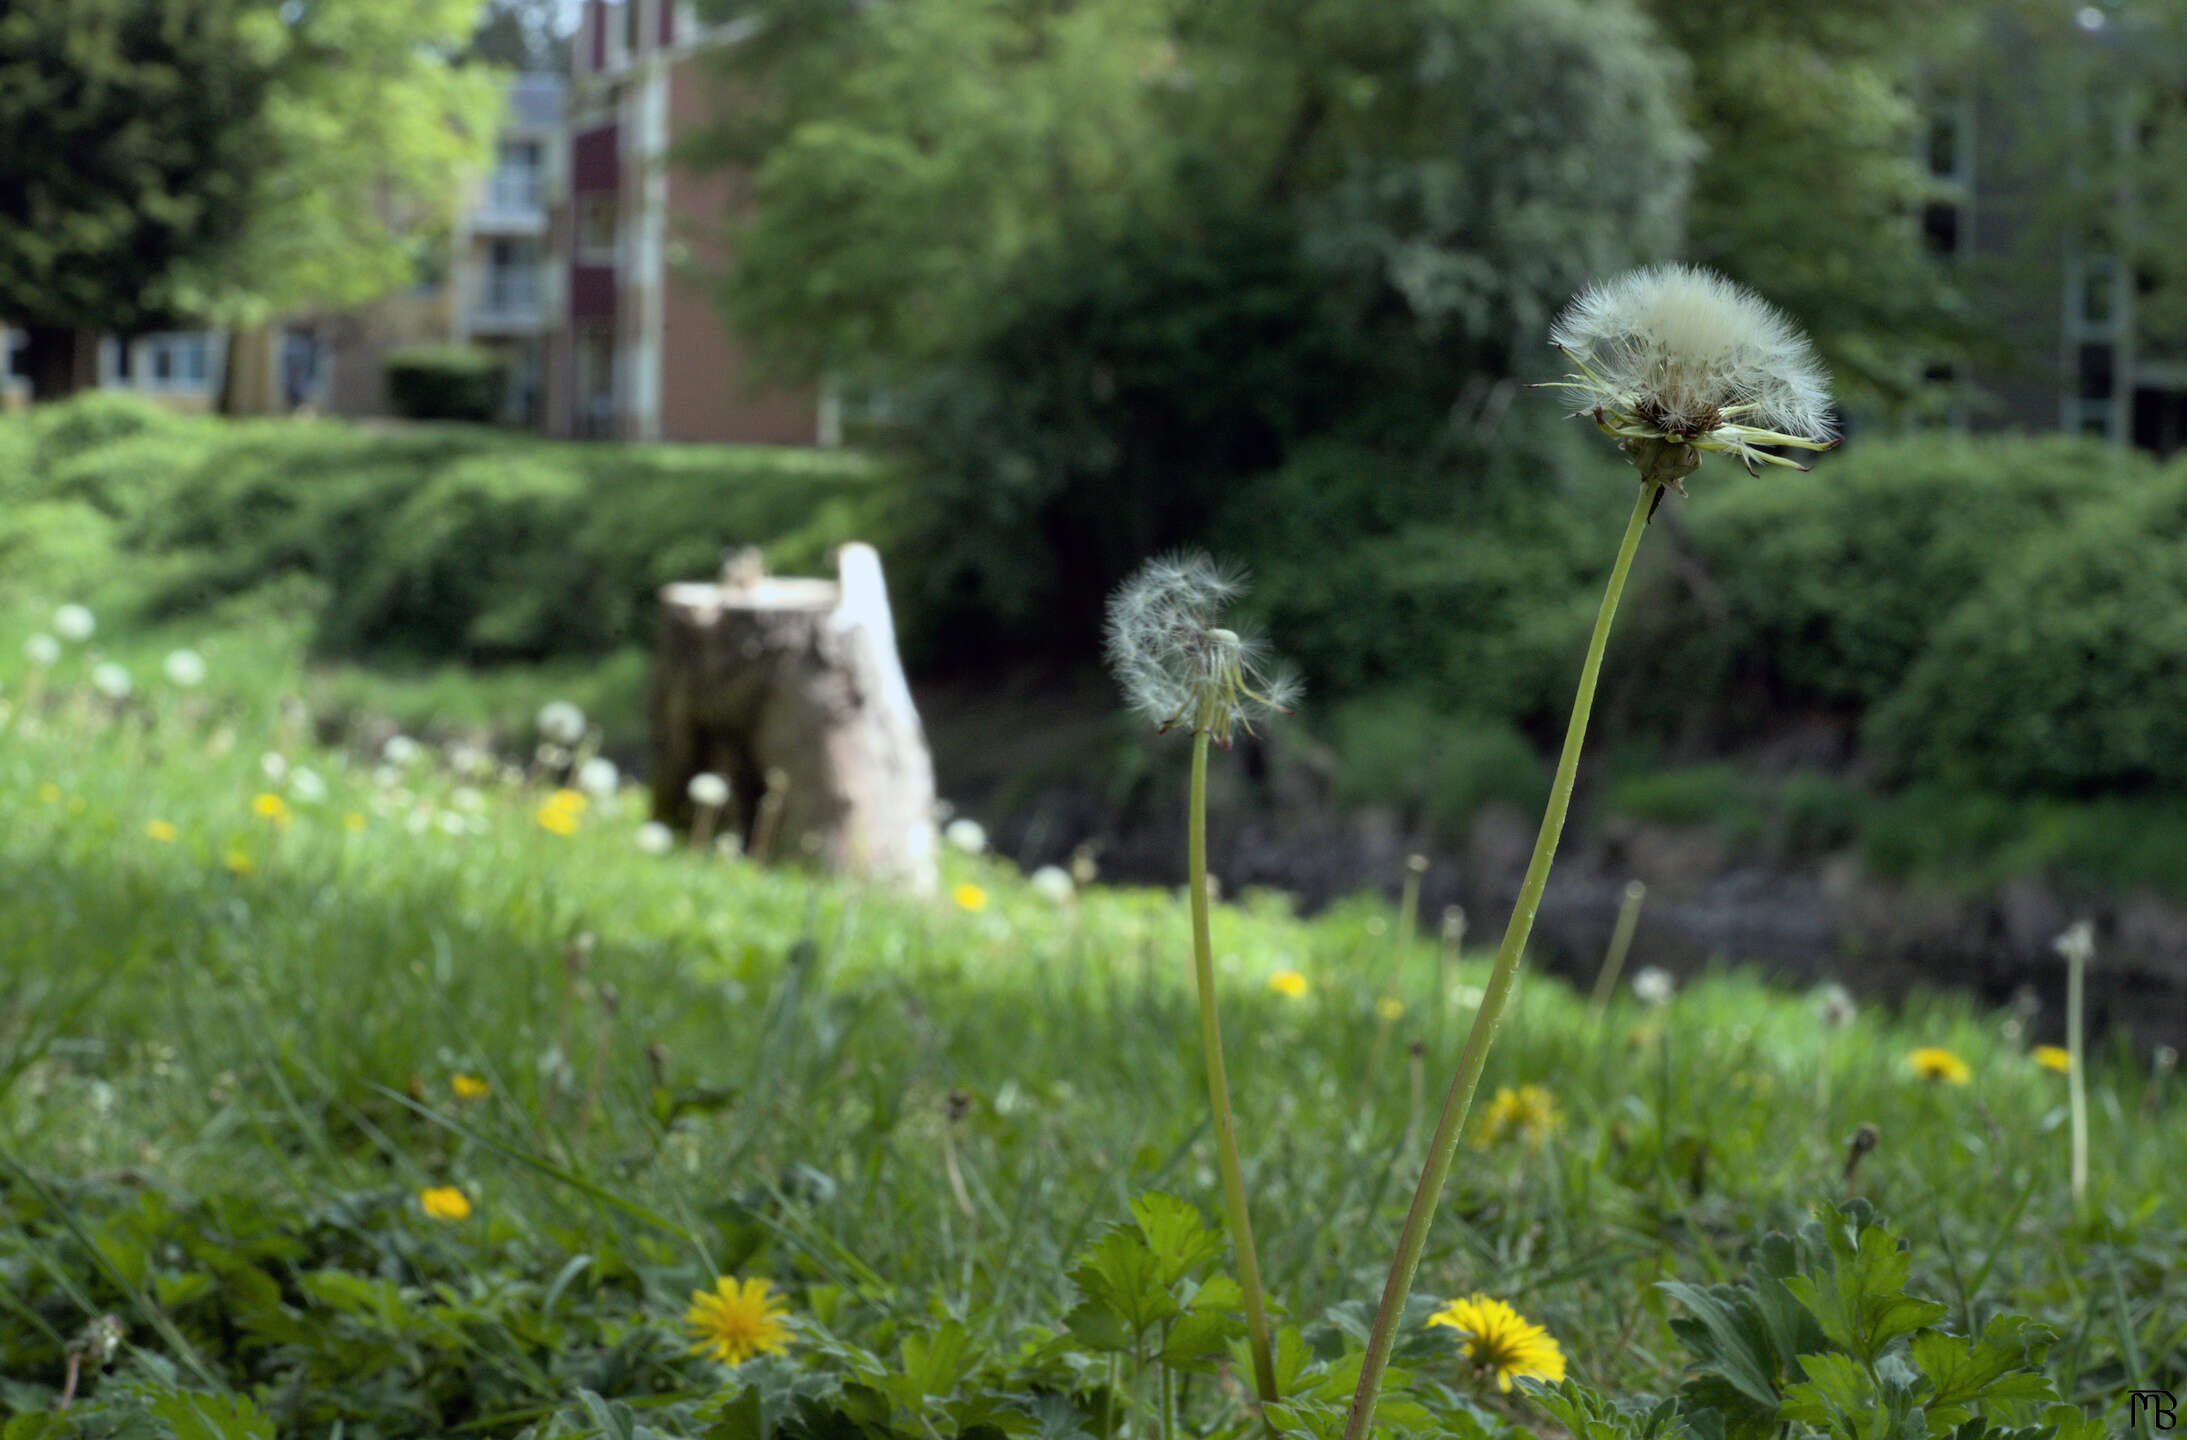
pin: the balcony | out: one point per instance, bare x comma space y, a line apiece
514, 203
510, 303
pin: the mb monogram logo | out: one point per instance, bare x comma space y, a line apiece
2161, 1406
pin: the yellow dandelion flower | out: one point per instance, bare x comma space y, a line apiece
469, 1087
2053, 1057
556, 820
1933, 1063
1389, 1009
969, 897
1498, 1340
269, 806
239, 862
354, 822
735, 1321
77, 804
445, 1202
1528, 1113
1289, 984
573, 801
160, 830
49, 793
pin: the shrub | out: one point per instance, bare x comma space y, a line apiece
97, 417
446, 382
1398, 749
2066, 671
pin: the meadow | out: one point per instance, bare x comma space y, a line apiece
385, 1091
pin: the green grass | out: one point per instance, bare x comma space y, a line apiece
221, 1092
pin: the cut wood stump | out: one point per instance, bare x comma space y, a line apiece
791, 690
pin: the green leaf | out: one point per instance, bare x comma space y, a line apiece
1121, 1273
2001, 1365
1729, 1338
1180, 1239
1200, 1338
1835, 1397
1861, 1303
1292, 1357
196, 1416
936, 1361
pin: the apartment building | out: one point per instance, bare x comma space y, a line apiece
638, 351
507, 296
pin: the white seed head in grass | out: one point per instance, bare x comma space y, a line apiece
561, 722
42, 650
1178, 664
708, 789
185, 668
599, 778
654, 838
1673, 360
74, 623
112, 681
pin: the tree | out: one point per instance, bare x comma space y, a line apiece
129, 149
165, 162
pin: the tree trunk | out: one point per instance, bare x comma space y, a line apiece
791, 691
61, 361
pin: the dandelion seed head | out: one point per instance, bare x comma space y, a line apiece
1177, 664
599, 778
306, 786
708, 789
1835, 1007
112, 681
401, 750
1679, 353
1654, 985
74, 623
966, 834
1053, 883
42, 649
185, 668
561, 722
654, 838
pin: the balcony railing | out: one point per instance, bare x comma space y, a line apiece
509, 301
514, 199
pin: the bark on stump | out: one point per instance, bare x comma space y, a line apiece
791, 690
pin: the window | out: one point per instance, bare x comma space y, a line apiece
2100, 292
2099, 372
176, 361
512, 277
596, 228
1940, 224
516, 179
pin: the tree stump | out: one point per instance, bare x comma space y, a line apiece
791, 690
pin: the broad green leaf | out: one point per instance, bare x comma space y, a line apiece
195, 1416
1728, 1337
1835, 1396
2001, 1365
1174, 1231
1123, 1274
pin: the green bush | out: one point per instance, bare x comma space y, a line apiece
446, 382
1395, 748
95, 418
2066, 670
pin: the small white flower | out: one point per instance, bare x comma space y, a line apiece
1834, 1006
42, 650
185, 668
112, 681
1053, 884
274, 766
1654, 985
561, 722
655, 838
306, 786
401, 750
1176, 664
387, 777
708, 789
599, 778
74, 623
967, 835
1673, 360
450, 823
467, 798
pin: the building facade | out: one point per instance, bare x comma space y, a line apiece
638, 351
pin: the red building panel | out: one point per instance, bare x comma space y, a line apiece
592, 292
594, 160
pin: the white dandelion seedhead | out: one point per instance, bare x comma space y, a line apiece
967, 835
654, 838
561, 722
708, 790
185, 668
112, 681
42, 650
1177, 663
599, 778
74, 623
1654, 985
1678, 354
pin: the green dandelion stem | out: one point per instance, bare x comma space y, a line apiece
1218, 1083
1474, 1055
2076, 1081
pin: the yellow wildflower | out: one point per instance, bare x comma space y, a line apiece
556, 820
1499, 1341
573, 801
969, 897
1934, 1063
269, 806
445, 1202
160, 830
2053, 1057
354, 822
734, 1322
50, 793
1529, 1112
1389, 1009
1289, 984
469, 1087
239, 862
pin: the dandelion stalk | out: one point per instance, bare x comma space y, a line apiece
1218, 1082
1621, 941
1671, 362
2077, 945
1180, 666
1474, 1054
